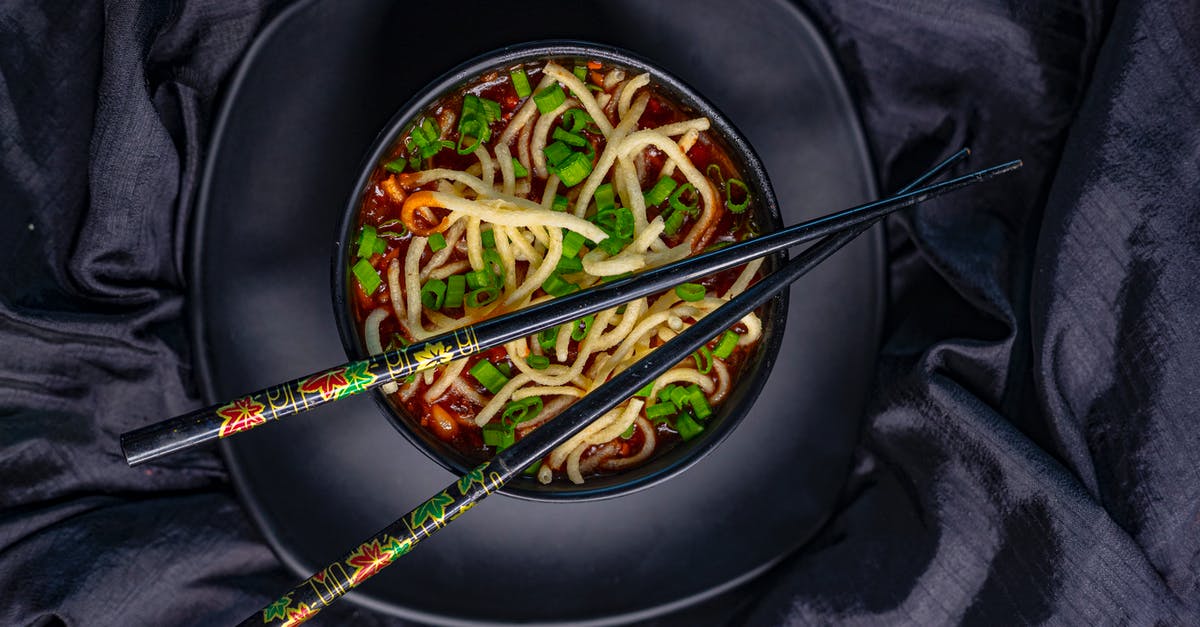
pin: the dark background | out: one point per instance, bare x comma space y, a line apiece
1030, 450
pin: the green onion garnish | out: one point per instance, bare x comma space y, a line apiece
572, 243
560, 203
687, 427
554, 285
736, 207
725, 346
677, 203
581, 72
690, 292
550, 98
604, 198
700, 404
569, 265
660, 192
489, 375
437, 241
498, 435
520, 82
368, 278
580, 328
557, 153
673, 222
624, 228
659, 411
613, 245
493, 263
614, 277
466, 150
538, 362
547, 338
628, 433
574, 168
482, 296
523, 410
396, 165
533, 469
491, 110
489, 240
433, 294
519, 171
577, 118
366, 241
480, 278
703, 359
456, 289
645, 391
568, 138
714, 176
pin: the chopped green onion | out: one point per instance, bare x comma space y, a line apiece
437, 241
574, 168
581, 72
433, 294
703, 359
480, 278
489, 239
645, 391
568, 138
572, 243
489, 375
538, 362
690, 292
612, 245
414, 162
366, 241
604, 197
505, 369
614, 277
368, 278
624, 223
468, 149
380, 246
482, 296
687, 427
628, 433
700, 404
679, 397
520, 82
554, 285
577, 118
660, 192
569, 265
498, 435
714, 176
677, 203
664, 395
736, 207
397, 341
533, 469
550, 98
580, 328
717, 246
673, 222
523, 410
557, 153
519, 170
725, 346
560, 203
456, 289
659, 411
491, 109
547, 338
396, 165
492, 262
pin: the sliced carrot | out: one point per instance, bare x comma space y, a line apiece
422, 200
594, 65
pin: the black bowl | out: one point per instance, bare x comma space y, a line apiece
747, 384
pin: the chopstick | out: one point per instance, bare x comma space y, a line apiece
258, 408
398, 538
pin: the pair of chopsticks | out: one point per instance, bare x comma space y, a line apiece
258, 408
398, 538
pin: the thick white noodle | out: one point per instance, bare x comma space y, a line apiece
609, 156
374, 345
626, 97
582, 93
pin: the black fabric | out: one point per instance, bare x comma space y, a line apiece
1031, 449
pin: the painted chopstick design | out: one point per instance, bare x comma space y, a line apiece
397, 539
258, 408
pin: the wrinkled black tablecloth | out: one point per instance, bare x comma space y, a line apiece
1031, 449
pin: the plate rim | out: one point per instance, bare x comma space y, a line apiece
201, 360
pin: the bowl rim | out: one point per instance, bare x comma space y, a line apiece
733, 409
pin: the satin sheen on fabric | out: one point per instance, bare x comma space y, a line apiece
1031, 449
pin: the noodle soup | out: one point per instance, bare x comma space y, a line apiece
534, 181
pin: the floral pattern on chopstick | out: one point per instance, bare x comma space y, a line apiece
240, 415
